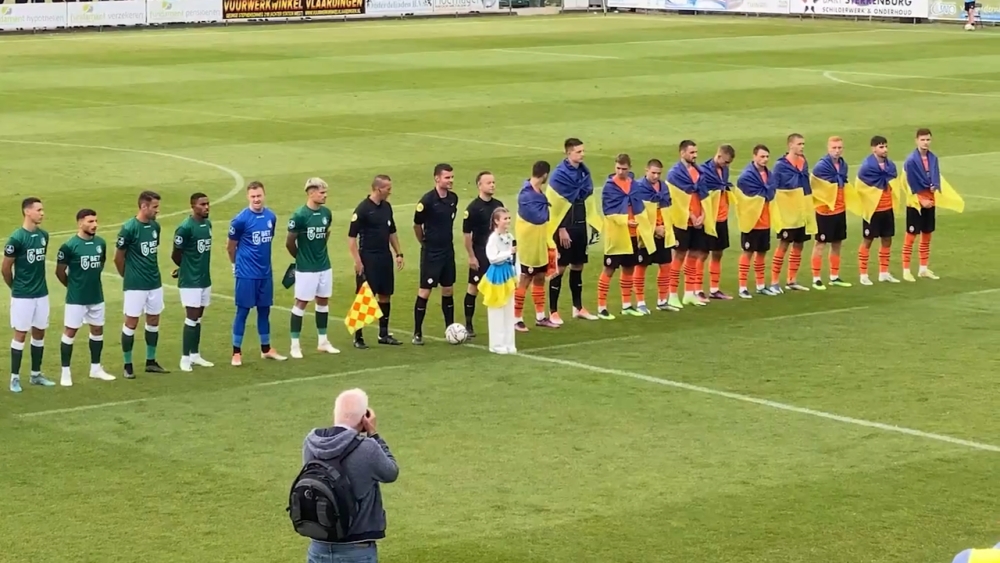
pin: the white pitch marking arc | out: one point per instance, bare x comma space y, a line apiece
238, 180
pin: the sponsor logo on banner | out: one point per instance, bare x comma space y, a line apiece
258, 9
465, 6
399, 6
334, 7
93, 14
989, 11
32, 16
181, 11
862, 8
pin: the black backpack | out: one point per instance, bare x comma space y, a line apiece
321, 503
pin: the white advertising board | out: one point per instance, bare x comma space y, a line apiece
862, 8
465, 6
733, 6
183, 11
32, 16
94, 14
398, 7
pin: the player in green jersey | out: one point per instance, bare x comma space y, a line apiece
136, 260
193, 256
24, 273
79, 265
306, 242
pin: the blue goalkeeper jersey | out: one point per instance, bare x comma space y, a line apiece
253, 233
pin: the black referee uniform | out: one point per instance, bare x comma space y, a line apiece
437, 255
476, 222
372, 224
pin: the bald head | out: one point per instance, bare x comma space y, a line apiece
350, 408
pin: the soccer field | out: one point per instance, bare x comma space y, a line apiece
851, 425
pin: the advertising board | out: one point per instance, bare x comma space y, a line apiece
101, 14
32, 16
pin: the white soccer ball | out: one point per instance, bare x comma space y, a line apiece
456, 334
969, 27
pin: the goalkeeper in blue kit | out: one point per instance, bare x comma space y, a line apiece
249, 248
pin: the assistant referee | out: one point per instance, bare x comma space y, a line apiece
372, 233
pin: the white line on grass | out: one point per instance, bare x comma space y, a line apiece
830, 75
769, 404
252, 386
584, 343
813, 314
570, 55
238, 180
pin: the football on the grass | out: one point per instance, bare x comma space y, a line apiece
455, 334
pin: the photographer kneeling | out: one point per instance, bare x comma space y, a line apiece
336, 500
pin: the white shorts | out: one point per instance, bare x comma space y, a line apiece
139, 301
310, 285
196, 296
28, 313
76, 316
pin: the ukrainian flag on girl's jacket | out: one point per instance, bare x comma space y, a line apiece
682, 188
567, 185
917, 179
979, 555
532, 227
827, 179
793, 206
717, 186
752, 194
862, 198
657, 200
620, 203
500, 281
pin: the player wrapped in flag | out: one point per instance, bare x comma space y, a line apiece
498, 285
364, 311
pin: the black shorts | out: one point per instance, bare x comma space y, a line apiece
882, 225
484, 264
615, 261
436, 269
380, 273
921, 220
533, 270
661, 254
721, 240
831, 228
797, 234
757, 240
577, 251
691, 239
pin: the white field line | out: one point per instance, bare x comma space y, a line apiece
830, 75
767, 403
584, 343
253, 386
812, 314
238, 180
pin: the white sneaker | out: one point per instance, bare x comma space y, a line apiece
66, 380
295, 351
99, 373
325, 346
584, 314
926, 273
865, 280
197, 360
887, 277
186, 363
908, 276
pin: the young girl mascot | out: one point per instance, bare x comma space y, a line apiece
498, 285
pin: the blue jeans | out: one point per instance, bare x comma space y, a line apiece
342, 553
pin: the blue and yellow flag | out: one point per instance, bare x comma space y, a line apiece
793, 206
863, 197
752, 194
826, 179
532, 226
683, 189
979, 556
618, 201
716, 184
656, 197
570, 184
917, 178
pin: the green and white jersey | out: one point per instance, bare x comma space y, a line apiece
141, 243
84, 260
194, 239
311, 229
27, 248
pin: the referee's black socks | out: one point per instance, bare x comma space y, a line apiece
383, 322
419, 311
555, 286
470, 308
448, 308
576, 287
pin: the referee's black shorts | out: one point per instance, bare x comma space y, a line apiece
437, 269
380, 273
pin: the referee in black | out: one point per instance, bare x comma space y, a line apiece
433, 221
372, 233
476, 226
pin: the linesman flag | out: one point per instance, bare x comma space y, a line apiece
364, 311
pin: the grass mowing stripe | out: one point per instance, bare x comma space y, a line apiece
252, 386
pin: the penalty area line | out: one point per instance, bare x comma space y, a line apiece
112, 404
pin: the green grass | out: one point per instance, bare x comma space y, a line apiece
589, 449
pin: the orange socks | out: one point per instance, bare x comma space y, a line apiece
664, 279
639, 284
519, 302
817, 265
759, 268
863, 254
699, 274
925, 249
690, 274
625, 283
794, 262
834, 266
883, 259
777, 262
538, 296
675, 275
603, 285
908, 249
715, 274
744, 270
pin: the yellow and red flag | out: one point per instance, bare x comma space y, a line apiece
364, 311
